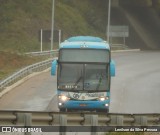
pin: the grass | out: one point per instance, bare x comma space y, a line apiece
11, 62
125, 133
73, 22
21, 20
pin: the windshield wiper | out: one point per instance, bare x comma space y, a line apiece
78, 80
99, 82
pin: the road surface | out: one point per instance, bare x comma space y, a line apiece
32, 95
135, 89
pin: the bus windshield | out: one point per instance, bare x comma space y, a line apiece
84, 55
88, 77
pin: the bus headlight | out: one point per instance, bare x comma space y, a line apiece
63, 98
60, 104
103, 98
106, 105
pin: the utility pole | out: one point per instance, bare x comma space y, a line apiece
52, 28
109, 16
41, 39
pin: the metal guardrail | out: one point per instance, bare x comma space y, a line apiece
80, 121
119, 46
24, 72
43, 53
55, 52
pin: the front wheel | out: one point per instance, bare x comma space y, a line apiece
62, 110
102, 110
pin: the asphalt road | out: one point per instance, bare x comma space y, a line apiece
32, 95
135, 89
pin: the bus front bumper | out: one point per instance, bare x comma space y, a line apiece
86, 105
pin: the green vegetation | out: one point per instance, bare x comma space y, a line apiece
11, 62
156, 5
125, 133
20, 21
84, 15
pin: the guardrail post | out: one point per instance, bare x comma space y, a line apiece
116, 120
94, 123
28, 121
137, 120
20, 119
24, 119
143, 120
63, 124
120, 120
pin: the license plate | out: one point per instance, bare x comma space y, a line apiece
82, 104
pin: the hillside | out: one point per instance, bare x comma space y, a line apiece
11, 62
21, 20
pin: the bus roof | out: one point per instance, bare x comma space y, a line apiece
85, 38
85, 42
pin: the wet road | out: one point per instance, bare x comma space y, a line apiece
135, 89
32, 95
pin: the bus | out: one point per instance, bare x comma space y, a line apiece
83, 74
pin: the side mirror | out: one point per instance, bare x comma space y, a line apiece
54, 67
112, 68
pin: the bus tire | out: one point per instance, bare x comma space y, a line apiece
62, 110
102, 110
